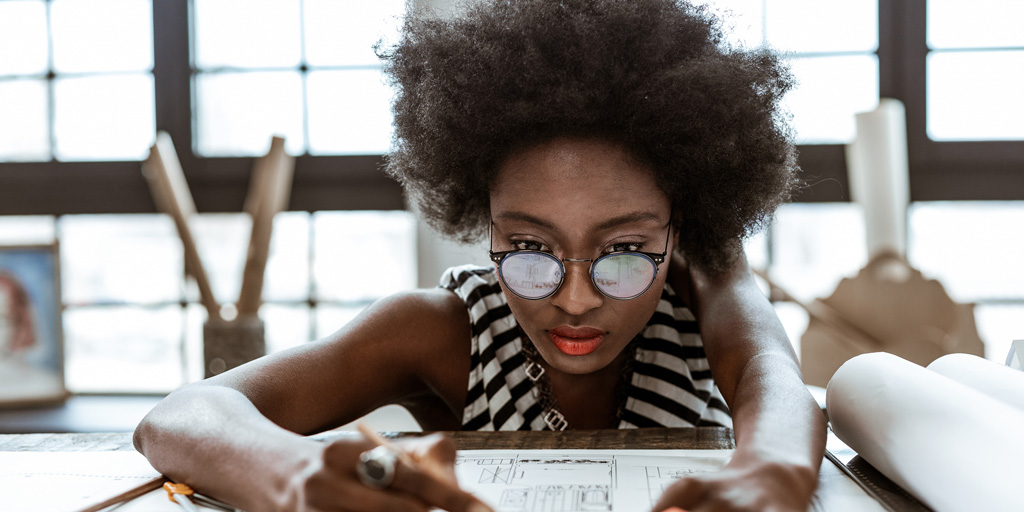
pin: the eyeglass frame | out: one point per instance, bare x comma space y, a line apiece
498, 257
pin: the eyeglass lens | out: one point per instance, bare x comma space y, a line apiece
535, 275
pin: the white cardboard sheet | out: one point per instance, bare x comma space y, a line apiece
579, 480
68, 481
953, 447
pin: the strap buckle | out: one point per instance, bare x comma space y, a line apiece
534, 371
555, 421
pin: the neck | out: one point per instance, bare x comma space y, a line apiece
593, 400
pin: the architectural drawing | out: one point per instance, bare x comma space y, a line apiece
579, 480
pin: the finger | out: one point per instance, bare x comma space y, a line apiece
683, 494
436, 454
435, 490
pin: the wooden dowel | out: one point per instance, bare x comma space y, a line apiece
171, 193
267, 196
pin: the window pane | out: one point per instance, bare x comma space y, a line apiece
815, 245
247, 33
343, 33
109, 117
349, 112
114, 349
973, 248
285, 326
794, 320
743, 20
998, 325
813, 26
238, 113
330, 318
23, 42
24, 111
193, 367
362, 256
287, 276
222, 240
120, 258
756, 248
830, 91
975, 95
991, 23
27, 230
101, 35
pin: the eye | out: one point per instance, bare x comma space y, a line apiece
626, 247
529, 245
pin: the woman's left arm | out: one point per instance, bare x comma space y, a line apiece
779, 428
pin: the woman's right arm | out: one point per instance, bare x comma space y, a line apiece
239, 436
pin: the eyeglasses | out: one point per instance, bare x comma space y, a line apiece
535, 275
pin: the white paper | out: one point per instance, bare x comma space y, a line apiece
68, 481
991, 378
579, 480
951, 446
877, 171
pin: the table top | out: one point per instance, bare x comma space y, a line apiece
700, 438
836, 491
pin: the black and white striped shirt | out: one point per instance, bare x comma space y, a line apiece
671, 384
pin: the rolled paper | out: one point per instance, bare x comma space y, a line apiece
991, 378
877, 170
951, 446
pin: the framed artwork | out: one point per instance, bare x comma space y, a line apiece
31, 336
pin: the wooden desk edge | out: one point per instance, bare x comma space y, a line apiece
699, 438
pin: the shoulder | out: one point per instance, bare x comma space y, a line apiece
433, 315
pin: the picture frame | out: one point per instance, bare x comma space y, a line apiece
31, 331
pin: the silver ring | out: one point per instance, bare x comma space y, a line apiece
376, 468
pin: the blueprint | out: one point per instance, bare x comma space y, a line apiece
579, 480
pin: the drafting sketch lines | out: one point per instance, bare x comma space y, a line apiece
567, 483
558, 498
659, 477
549, 484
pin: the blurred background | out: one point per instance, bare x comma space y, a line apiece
86, 84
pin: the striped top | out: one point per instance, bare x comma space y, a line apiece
671, 384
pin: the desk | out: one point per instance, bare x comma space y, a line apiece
836, 491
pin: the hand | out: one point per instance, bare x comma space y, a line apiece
330, 483
743, 486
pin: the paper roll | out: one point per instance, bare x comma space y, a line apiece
877, 170
990, 378
951, 446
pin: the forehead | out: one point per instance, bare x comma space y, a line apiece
569, 178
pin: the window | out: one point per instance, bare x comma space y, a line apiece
314, 57
132, 323
975, 67
83, 92
338, 145
76, 80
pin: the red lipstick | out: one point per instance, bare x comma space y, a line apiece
576, 341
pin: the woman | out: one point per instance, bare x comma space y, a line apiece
615, 153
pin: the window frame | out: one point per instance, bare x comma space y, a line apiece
938, 170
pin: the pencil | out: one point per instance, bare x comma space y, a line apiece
403, 455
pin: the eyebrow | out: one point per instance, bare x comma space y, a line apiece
608, 224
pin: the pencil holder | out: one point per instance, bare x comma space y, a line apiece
227, 344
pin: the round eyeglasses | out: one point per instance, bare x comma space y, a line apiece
535, 275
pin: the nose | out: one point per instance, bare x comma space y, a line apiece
577, 295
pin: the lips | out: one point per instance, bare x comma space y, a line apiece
576, 341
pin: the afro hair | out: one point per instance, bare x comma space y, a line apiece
655, 76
